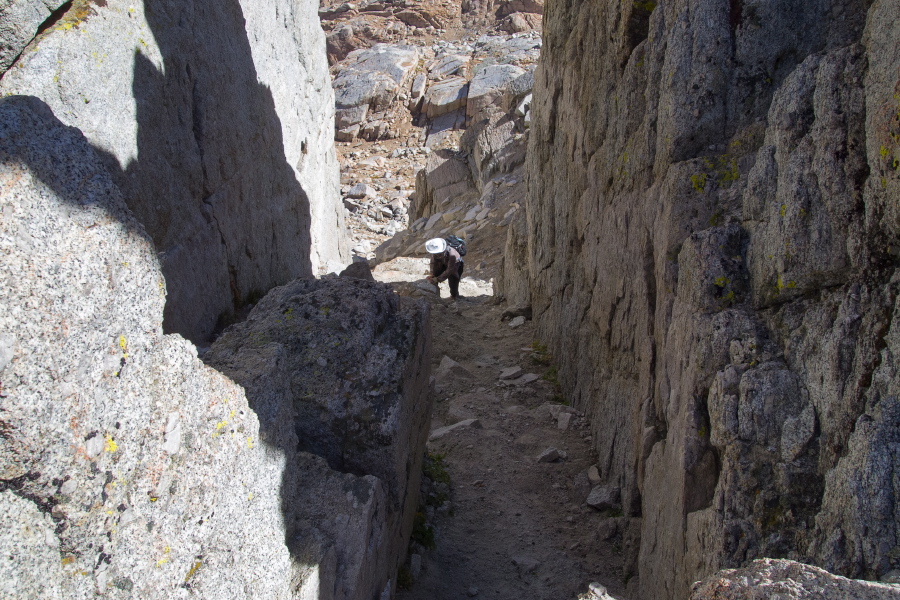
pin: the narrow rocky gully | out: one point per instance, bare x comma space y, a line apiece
505, 510
432, 113
513, 462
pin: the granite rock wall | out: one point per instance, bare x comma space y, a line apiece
712, 244
214, 119
129, 468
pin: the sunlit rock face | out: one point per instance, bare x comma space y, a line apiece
214, 119
129, 468
712, 242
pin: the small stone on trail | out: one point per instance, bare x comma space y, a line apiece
510, 373
449, 369
473, 591
604, 498
594, 475
467, 424
557, 409
562, 422
361, 190
525, 564
598, 592
526, 378
519, 311
517, 322
550, 455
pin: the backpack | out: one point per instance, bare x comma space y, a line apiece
457, 244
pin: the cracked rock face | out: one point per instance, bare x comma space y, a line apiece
218, 136
20, 22
339, 368
786, 580
129, 469
711, 242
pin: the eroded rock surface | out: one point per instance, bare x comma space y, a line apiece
339, 368
711, 241
787, 580
19, 23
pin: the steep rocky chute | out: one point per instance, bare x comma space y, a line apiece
712, 243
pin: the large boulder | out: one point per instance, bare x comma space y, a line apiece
129, 468
449, 64
520, 22
508, 7
489, 85
446, 176
445, 97
519, 50
375, 76
339, 368
220, 139
493, 145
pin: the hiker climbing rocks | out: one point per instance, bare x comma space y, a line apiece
446, 261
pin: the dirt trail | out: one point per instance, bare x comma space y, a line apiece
514, 527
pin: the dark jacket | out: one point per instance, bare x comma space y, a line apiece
446, 264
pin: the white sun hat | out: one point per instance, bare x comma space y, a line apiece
436, 245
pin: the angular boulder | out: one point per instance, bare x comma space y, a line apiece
445, 97
375, 76
445, 176
449, 64
339, 368
508, 7
489, 85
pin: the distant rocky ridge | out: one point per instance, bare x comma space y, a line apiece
218, 135
442, 86
710, 252
354, 25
